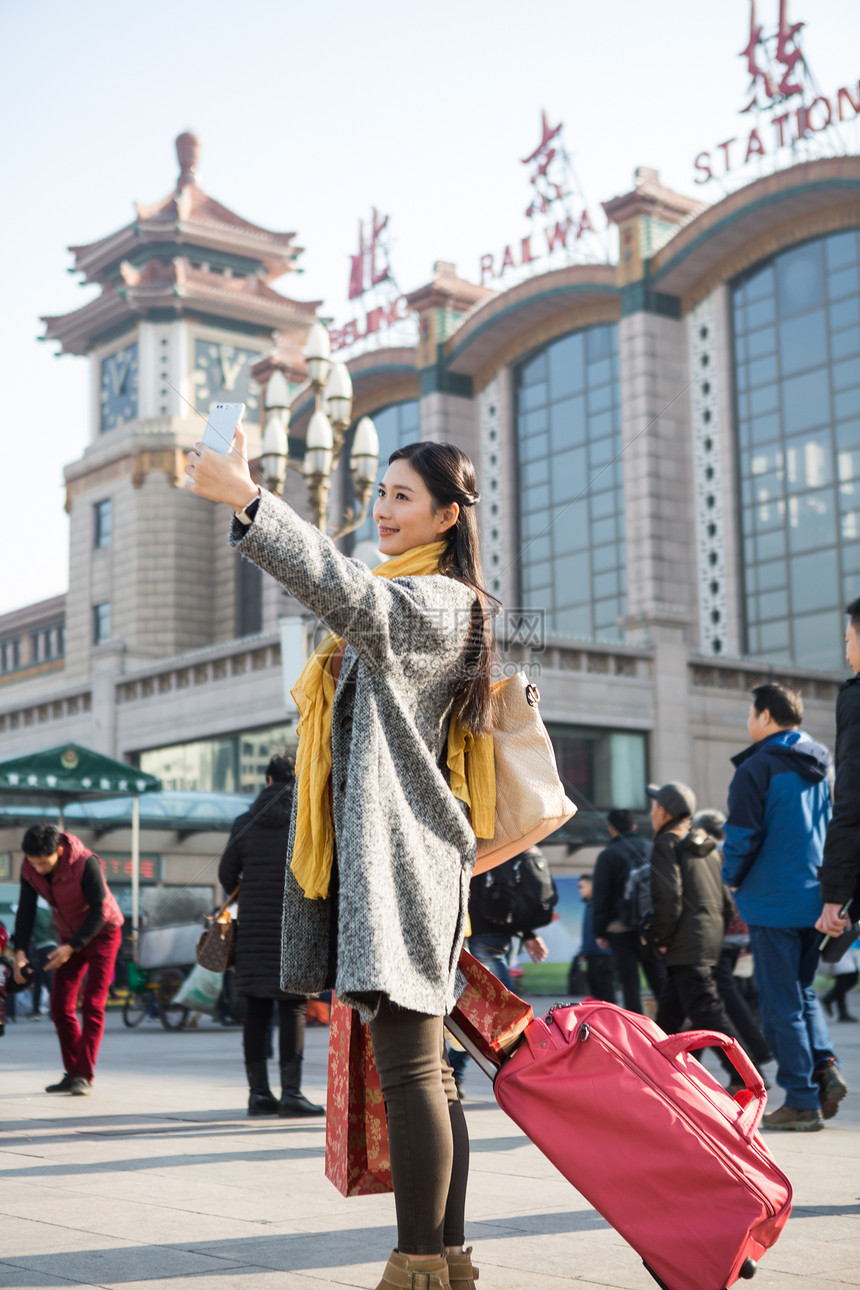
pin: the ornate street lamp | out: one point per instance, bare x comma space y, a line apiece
325, 435
276, 445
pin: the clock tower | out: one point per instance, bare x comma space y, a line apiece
184, 310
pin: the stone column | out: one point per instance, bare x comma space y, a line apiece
671, 737
657, 464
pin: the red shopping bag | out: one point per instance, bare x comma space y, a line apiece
356, 1131
492, 1017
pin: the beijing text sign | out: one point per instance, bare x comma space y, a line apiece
789, 109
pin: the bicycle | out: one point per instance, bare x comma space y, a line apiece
154, 998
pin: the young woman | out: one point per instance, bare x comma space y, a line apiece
381, 845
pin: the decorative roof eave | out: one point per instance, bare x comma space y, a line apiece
447, 291
192, 206
262, 307
99, 260
77, 331
653, 199
706, 250
510, 317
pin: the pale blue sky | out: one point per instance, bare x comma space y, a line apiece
309, 114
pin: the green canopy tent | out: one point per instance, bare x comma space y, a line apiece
71, 773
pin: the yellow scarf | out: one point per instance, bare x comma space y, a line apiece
470, 760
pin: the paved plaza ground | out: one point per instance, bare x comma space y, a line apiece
159, 1179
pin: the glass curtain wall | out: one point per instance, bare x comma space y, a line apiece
396, 426
232, 764
571, 518
797, 365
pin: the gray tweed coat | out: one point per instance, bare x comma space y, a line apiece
405, 848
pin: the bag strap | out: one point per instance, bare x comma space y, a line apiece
227, 903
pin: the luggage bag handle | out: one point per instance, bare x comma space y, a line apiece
689, 1040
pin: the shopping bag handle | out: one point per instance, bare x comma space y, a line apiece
752, 1098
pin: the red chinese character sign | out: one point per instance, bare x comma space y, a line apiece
547, 189
792, 120
557, 201
364, 271
771, 64
372, 284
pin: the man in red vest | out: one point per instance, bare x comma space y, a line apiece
58, 867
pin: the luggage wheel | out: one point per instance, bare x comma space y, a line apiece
746, 1272
748, 1269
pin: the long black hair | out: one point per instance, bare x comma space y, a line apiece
449, 476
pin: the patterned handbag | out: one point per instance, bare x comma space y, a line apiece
216, 948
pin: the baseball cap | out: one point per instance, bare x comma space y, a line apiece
676, 798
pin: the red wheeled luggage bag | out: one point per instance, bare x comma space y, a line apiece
651, 1139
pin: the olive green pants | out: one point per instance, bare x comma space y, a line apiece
427, 1131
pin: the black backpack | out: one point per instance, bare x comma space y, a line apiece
519, 895
637, 903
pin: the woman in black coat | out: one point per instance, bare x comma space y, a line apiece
256, 856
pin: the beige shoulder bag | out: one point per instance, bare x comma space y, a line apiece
530, 799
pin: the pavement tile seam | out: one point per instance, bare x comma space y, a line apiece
78, 1227
152, 1211
53, 1280
176, 1208
217, 1261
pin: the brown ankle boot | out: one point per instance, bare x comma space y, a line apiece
402, 1274
461, 1272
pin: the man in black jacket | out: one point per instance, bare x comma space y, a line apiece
840, 869
611, 869
692, 909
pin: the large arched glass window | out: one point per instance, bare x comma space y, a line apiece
396, 425
571, 539
797, 365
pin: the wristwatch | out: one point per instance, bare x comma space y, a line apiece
243, 516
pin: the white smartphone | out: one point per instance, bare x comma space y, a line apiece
221, 426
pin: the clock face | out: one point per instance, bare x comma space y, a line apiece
222, 374
119, 387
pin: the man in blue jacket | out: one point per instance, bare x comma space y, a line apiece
779, 808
